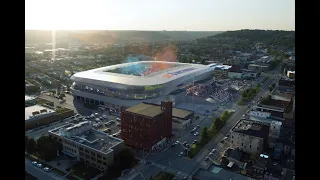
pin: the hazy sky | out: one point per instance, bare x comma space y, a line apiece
192, 15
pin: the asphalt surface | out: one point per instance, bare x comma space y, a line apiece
40, 173
169, 159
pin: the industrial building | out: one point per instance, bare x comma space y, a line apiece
82, 142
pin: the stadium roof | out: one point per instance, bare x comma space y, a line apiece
99, 76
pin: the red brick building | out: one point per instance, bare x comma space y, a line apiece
145, 124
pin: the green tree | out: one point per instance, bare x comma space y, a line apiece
48, 148
204, 133
218, 123
225, 115
31, 146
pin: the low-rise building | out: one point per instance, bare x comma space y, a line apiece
259, 166
291, 74
30, 101
257, 67
249, 136
237, 157
82, 142
273, 171
35, 115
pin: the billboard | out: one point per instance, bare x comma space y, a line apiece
169, 75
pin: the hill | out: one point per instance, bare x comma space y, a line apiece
105, 37
285, 39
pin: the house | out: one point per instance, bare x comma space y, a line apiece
237, 157
259, 167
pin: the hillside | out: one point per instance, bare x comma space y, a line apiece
104, 37
285, 39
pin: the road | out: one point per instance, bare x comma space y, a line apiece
169, 159
40, 173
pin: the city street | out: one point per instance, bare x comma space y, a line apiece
40, 173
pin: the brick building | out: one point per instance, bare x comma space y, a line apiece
146, 124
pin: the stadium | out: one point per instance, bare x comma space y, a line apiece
132, 83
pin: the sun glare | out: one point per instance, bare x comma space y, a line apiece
58, 14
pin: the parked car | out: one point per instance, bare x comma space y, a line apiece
198, 126
39, 165
181, 154
34, 163
46, 169
196, 134
194, 142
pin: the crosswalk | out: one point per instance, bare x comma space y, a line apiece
181, 174
159, 166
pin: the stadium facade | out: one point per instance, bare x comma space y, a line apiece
132, 83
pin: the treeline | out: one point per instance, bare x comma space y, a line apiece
284, 39
45, 147
208, 133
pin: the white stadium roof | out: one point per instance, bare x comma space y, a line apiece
99, 76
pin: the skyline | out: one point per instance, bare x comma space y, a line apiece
202, 15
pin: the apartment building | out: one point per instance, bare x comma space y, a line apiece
144, 125
249, 136
93, 147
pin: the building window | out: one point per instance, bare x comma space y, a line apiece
232, 142
98, 156
104, 158
257, 148
80, 148
232, 137
81, 154
99, 161
104, 163
86, 151
93, 159
93, 154
241, 144
250, 146
87, 156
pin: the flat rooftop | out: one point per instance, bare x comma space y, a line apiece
252, 129
152, 110
144, 109
29, 98
181, 113
92, 138
36, 110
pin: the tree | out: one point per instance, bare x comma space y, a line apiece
48, 148
31, 146
225, 115
204, 133
218, 123
126, 157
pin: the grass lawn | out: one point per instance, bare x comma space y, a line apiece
84, 171
163, 176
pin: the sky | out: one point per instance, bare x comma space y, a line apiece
185, 15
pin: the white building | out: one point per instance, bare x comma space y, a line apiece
249, 136
93, 147
37, 112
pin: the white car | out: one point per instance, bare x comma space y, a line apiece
196, 134
34, 163
47, 169
39, 165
